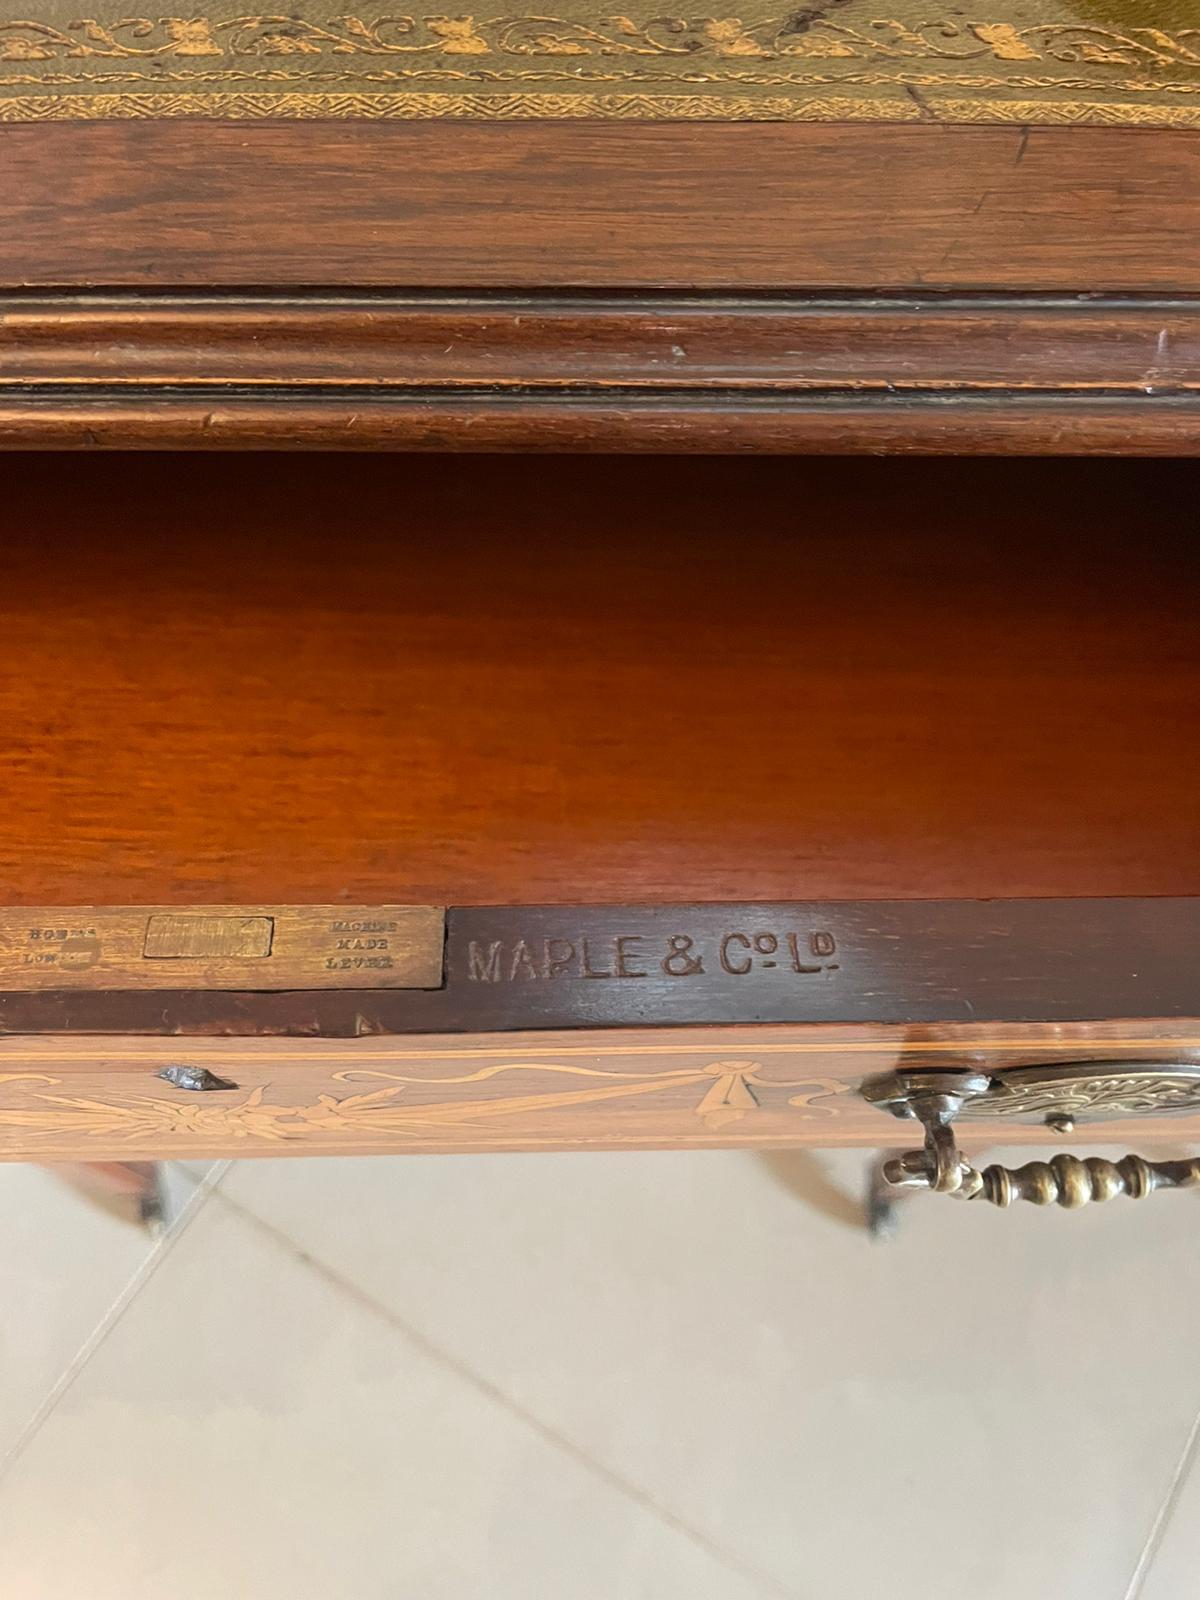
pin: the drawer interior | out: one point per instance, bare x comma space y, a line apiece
466, 680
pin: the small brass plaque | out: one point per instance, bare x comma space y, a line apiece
221, 947
174, 937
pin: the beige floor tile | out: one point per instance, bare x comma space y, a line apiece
251, 1430
192, 1172
1173, 1559
990, 1404
63, 1262
180, 1181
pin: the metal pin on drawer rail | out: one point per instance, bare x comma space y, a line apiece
184, 1077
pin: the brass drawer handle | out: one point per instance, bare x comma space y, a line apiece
1057, 1094
1065, 1180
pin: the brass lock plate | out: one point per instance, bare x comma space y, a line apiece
1067, 1091
221, 947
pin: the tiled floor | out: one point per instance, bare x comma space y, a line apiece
632, 1377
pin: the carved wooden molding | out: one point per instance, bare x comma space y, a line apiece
669, 371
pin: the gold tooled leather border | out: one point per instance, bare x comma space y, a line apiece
855, 67
247, 106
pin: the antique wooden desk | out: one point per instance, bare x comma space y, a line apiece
467, 683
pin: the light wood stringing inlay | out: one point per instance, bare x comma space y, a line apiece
93, 1099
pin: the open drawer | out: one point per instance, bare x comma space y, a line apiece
634, 731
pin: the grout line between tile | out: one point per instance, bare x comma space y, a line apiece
1154, 1539
155, 1257
764, 1581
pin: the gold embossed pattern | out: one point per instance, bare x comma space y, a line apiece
840, 61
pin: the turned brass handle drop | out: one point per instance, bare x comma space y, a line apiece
1055, 1095
1065, 1180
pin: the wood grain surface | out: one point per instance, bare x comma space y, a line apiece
499, 342
555, 370
545, 204
659, 424
500, 680
699, 1088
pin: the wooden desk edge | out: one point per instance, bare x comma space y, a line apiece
800, 209
659, 371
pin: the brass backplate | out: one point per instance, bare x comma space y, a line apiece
1088, 1089
221, 947
1077, 1090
